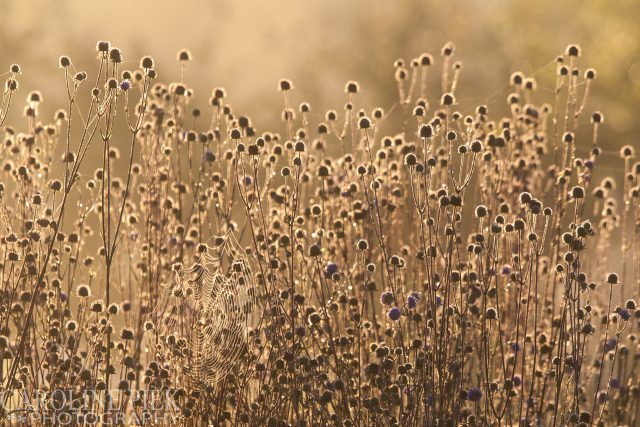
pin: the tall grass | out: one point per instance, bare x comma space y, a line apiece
427, 264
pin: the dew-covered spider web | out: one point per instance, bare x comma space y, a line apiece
209, 307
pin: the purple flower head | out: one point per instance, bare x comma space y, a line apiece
624, 314
506, 269
394, 314
474, 394
63, 296
610, 344
209, 156
412, 301
331, 269
248, 181
515, 347
387, 298
438, 301
589, 164
125, 85
516, 380
614, 383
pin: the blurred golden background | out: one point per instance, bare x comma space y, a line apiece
246, 46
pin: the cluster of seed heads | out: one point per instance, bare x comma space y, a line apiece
422, 263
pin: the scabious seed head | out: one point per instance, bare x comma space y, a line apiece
184, 55
426, 59
448, 49
426, 131
80, 76
612, 279
64, 61
573, 50
115, 55
146, 62
352, 87
362, 245
627, 152
387, 298
525, 197
577, 192
315, 251
285, 85
364, 123
597, 117
410, 159
481, 211
83, 291
447, 99
476, 146
103, 46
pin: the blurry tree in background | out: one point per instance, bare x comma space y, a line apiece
247, 46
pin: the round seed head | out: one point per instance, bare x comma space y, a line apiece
184, 55
285, 85
146, 62
351, 87
573, 50
64, 61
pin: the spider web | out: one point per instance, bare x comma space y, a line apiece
211, 305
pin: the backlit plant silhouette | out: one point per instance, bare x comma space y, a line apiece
425, 263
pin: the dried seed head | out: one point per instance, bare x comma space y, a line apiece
573, 50
627, 152
597, 117
426, 131
285, 85
481, 211
448, 49
115, 55
577, 192
476, 146
146, 62
83, 291
64, 61
612, 279
410, 159
184, 55
315, 251
364, 123
517, 78
352, 87
426, 59
447, 99
103, 46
